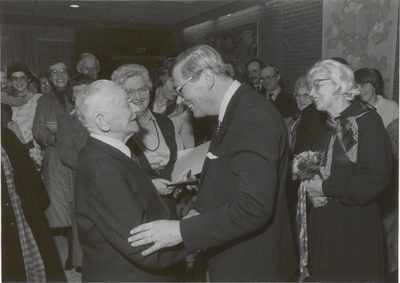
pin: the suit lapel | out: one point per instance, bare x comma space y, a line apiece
146, 193
230, 111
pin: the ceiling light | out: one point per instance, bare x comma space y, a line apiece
229, 15
74, 6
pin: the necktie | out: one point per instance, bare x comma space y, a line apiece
270, 96
259, 88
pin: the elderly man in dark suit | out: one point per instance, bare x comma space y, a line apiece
283, 101
112, 192
239, 220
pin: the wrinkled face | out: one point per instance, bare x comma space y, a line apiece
303, 97
90, 67
20, 82
324, 92
122, 116
168, 90
136, 88
4, 81
193, 94
270, 79
254, 72
45, 85
367, 92
59, 75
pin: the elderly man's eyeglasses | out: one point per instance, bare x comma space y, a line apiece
316, 84
267, 78
60, 73
143, 92
93, 70
179, 89
22, 79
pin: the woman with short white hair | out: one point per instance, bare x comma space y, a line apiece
345, 230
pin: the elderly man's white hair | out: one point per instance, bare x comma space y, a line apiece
95, 97
84, 56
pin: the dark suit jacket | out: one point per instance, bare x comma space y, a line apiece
113, 195
243, 226
285, 103
262, 91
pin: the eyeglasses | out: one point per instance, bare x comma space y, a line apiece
60, 73
302, 96
178, 89
19, 79
44, 84
253, 72
144, 91
316, 84
87, 70
267, 78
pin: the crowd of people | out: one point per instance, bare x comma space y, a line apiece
92, 159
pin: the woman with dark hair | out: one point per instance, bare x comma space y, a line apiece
166, 103
20, 77
371, 84
72, 136
346, 242
44, 130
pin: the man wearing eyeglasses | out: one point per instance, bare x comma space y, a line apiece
282, 100
239, 223
253, 73
88, 64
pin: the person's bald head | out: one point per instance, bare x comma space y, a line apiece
103, 108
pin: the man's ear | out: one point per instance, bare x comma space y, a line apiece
209, 78
102, 123
278, 77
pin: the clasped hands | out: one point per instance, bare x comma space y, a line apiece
163, 233
314, 191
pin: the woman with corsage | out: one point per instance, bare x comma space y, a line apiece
157, 142
345, 237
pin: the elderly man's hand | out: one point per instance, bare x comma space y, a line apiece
163, 233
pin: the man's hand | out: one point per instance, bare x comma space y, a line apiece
163, 233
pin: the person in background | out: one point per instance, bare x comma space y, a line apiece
20, 76
283, 101
72, 136
239, 224
88, 64
28, 251
113, 192
54, 172
346, 242
6, 102
305, 125
254, 67
156, 143
372, 93
45, 87
166, 103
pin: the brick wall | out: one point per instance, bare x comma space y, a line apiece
290, 34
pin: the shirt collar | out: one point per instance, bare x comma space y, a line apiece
275, 92
114, 143
227, 98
